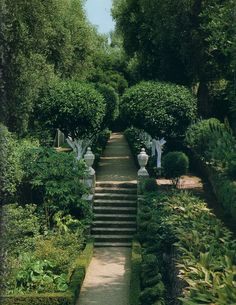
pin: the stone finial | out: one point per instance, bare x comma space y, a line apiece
89, 160
142, 160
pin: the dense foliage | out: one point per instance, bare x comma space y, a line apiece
77, 109
213, 144
161, 109
186, 247
112, 103
45, 237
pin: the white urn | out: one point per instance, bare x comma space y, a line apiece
89, 160
143, 160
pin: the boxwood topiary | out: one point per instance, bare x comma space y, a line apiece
161, 109
175, 164
77, 109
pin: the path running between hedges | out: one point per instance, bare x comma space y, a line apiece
108, 276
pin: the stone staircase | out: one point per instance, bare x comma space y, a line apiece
115, 209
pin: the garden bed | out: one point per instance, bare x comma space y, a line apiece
188, 249
68, 297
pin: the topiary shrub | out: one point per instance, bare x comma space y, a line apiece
112, 103
175, 164
161, 109
150, 185
77, 109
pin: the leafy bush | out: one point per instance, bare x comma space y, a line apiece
112, 103
212, 141
60, 187
213, 145
99, 144
20, 228
150, 185
161, 109
187, 241
77, 109
175, 164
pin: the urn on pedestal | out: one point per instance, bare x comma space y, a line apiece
89, 160
142, 160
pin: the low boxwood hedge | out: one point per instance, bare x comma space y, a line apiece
67, 298
135, 285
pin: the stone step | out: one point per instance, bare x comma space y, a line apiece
114, 210
116, 184
115, 203
113, 231
116, 190
115, 217
114, 224
115, 196
112, 244
112, 238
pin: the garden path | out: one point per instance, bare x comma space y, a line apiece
108, 276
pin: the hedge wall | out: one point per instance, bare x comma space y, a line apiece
67, 298
135, 285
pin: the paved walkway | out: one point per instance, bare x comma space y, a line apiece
117, 163
108, 276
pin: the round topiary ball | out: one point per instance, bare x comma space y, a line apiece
175, 164
161, 109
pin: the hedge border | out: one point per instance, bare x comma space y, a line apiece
135, 282
219, 182
66, 298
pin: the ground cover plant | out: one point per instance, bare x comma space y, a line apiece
213, 145
190, 251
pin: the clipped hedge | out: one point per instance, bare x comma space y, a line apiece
135, 284
67, 298
196, 253
161, 109
212, 145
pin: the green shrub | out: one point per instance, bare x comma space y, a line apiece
135, 284
161, 109
212, 141
112, 103
213, 145
77, 109
38, 299
58, 187
175, 164
150, 185
22, 225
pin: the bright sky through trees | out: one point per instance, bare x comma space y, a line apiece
99, 14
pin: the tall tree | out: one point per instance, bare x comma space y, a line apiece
182, 41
